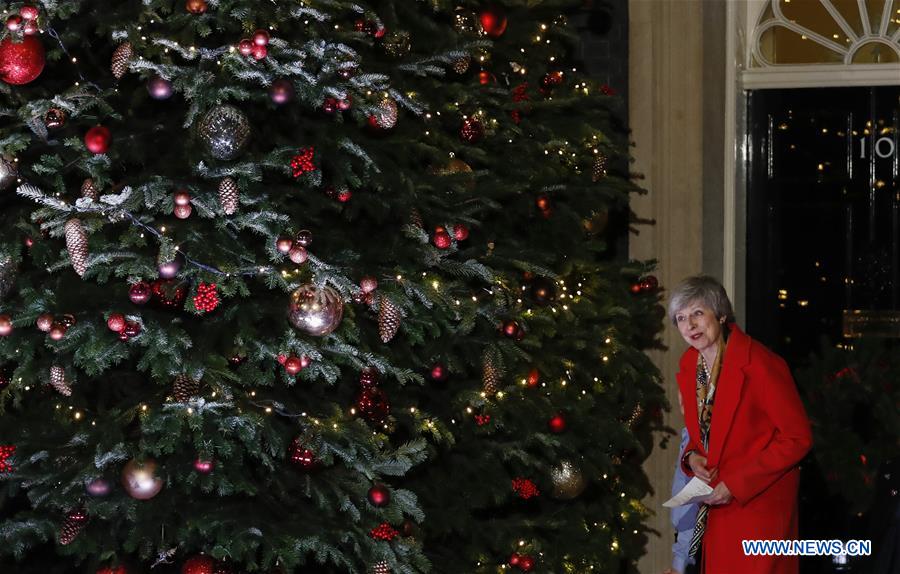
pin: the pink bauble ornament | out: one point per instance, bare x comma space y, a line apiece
159, 88
98, 487
140, 480
14, 23
6, 326
260, 38
293, 365
116, 322
284, 244
245, 47
204, 466
169, 269
281, 91
183, 211
182, 197
44, 322
368, 284
298, 254
57, 331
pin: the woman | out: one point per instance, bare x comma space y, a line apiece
747, 428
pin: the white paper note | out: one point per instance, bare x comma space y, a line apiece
694, 491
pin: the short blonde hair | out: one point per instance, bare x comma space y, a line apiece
704, 289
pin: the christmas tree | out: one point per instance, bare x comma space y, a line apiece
317, 286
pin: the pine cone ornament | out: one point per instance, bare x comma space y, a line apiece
76, 243
381, 568
389, 317
89, 190
75, 521
228, 195
58, 381
598, 171
461, 66
491, 374
184, 388
120, 58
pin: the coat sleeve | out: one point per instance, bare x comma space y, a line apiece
792, 435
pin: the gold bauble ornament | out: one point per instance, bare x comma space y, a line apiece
568, 480
140, 480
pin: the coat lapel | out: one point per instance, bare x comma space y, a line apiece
687, 383
728, 392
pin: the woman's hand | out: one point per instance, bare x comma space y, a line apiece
720, 495
697, 462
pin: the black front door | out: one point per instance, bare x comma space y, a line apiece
823, 213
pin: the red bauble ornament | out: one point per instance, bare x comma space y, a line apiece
344, 195
460, 232
131, 329
97, 139
195, 6
493, 21
485, 77
471, 131
284, 244
514, 559
534, 377
438, 372
260, 38
168, 293
245, 46
14, 23
510, 328
57, 331
441, 238
373, 404
292, 365
526, 563
44, 322
281, 91
379, 495
551, 80
259, 52
635, 288
649, 283
183, 211
139, 293
199, 565
29, 12
116, 322
204, 466
542, 202
21, 62
300, 456
206, 299
369, 378
557, 423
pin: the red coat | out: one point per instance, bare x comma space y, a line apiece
759, 433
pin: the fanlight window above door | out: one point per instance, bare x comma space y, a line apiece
792, 32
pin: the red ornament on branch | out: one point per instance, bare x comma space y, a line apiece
525, 488
441, 238
116, 322
97, 139
300, 456
460, 232
303, 162
482, 420
199, 565
6, 451
534, 377
493, 21
557, 423
206, 299
471, 131
21, 62
379, 495
384, 531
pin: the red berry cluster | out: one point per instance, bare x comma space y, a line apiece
206, 298
125, 328
6, 451
384, 531
482, 420
523, 562
332, 105
647, 284
525, 488
303, 161
25, 21
607, 90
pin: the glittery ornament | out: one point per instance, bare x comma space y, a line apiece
649, 283
303, 162
389, 318
315, 310
598, 170
384, 531
298, 254
460, 232
98, 487
45, 322
471, 130
120, 58
77, 246
185, 387
97, 139
525, 488
9, 271
21, 62
159, 88
259, 52
493, 21
368, 284
206, 299
195, 6
441, 239
29, 12
139, 293
385, 114
168, 293
397, 44
373, 404
379, 495
568, 480
55, 118
89, 190
75, 522
300, 456
464, 21
369, 378
9, 174
228, 195
551, 80
140, 480
224, 131
199, 565
115, 322
58, 381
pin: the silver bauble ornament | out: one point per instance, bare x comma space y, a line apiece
8, 173
316, 310
224, 131
568, 480
140, 480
